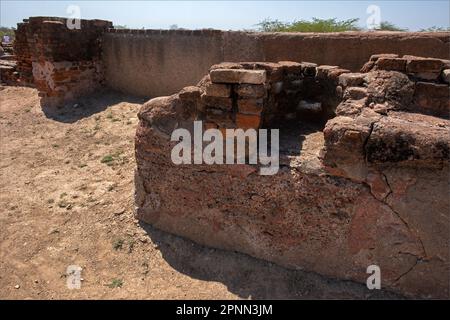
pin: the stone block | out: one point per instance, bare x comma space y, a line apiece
226, 65
218, 90
191, 93
422, 65
351, 79
428, 76
391, 64
323, 71
334, 74
291, 67
432, 98
238, 76
395, 140
274, 71
367, 67
375, 57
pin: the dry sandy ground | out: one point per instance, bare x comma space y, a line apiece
66, 198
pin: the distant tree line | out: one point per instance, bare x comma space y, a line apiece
274, 25
328, 25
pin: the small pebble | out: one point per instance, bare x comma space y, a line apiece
16, 286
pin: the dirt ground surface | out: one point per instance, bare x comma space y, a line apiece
66, 198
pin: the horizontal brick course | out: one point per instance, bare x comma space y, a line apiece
238, 76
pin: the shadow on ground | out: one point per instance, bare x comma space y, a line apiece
89, 105
251, 278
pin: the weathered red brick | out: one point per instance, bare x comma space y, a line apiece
323, 71
191, 93
391, 64
238, 76
418, 64
246, 121
290, 66
432, 98
375, 57
218, 90
250, 106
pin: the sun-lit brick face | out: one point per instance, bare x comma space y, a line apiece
62, 63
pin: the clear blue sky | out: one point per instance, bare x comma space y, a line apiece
233, 15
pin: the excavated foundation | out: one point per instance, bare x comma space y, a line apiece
363, 177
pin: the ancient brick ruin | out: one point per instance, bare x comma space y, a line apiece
65, 63
62, 63
368, 186
364, 154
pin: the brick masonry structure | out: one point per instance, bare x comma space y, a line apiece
159, 62
364, 152
62, 63
251, 94
364, 165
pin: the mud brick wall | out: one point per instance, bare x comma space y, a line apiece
64, 63
152, 63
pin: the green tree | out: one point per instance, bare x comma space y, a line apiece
435, 29
315, 25
389, 26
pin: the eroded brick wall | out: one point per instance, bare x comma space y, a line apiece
62, 63
370, 187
